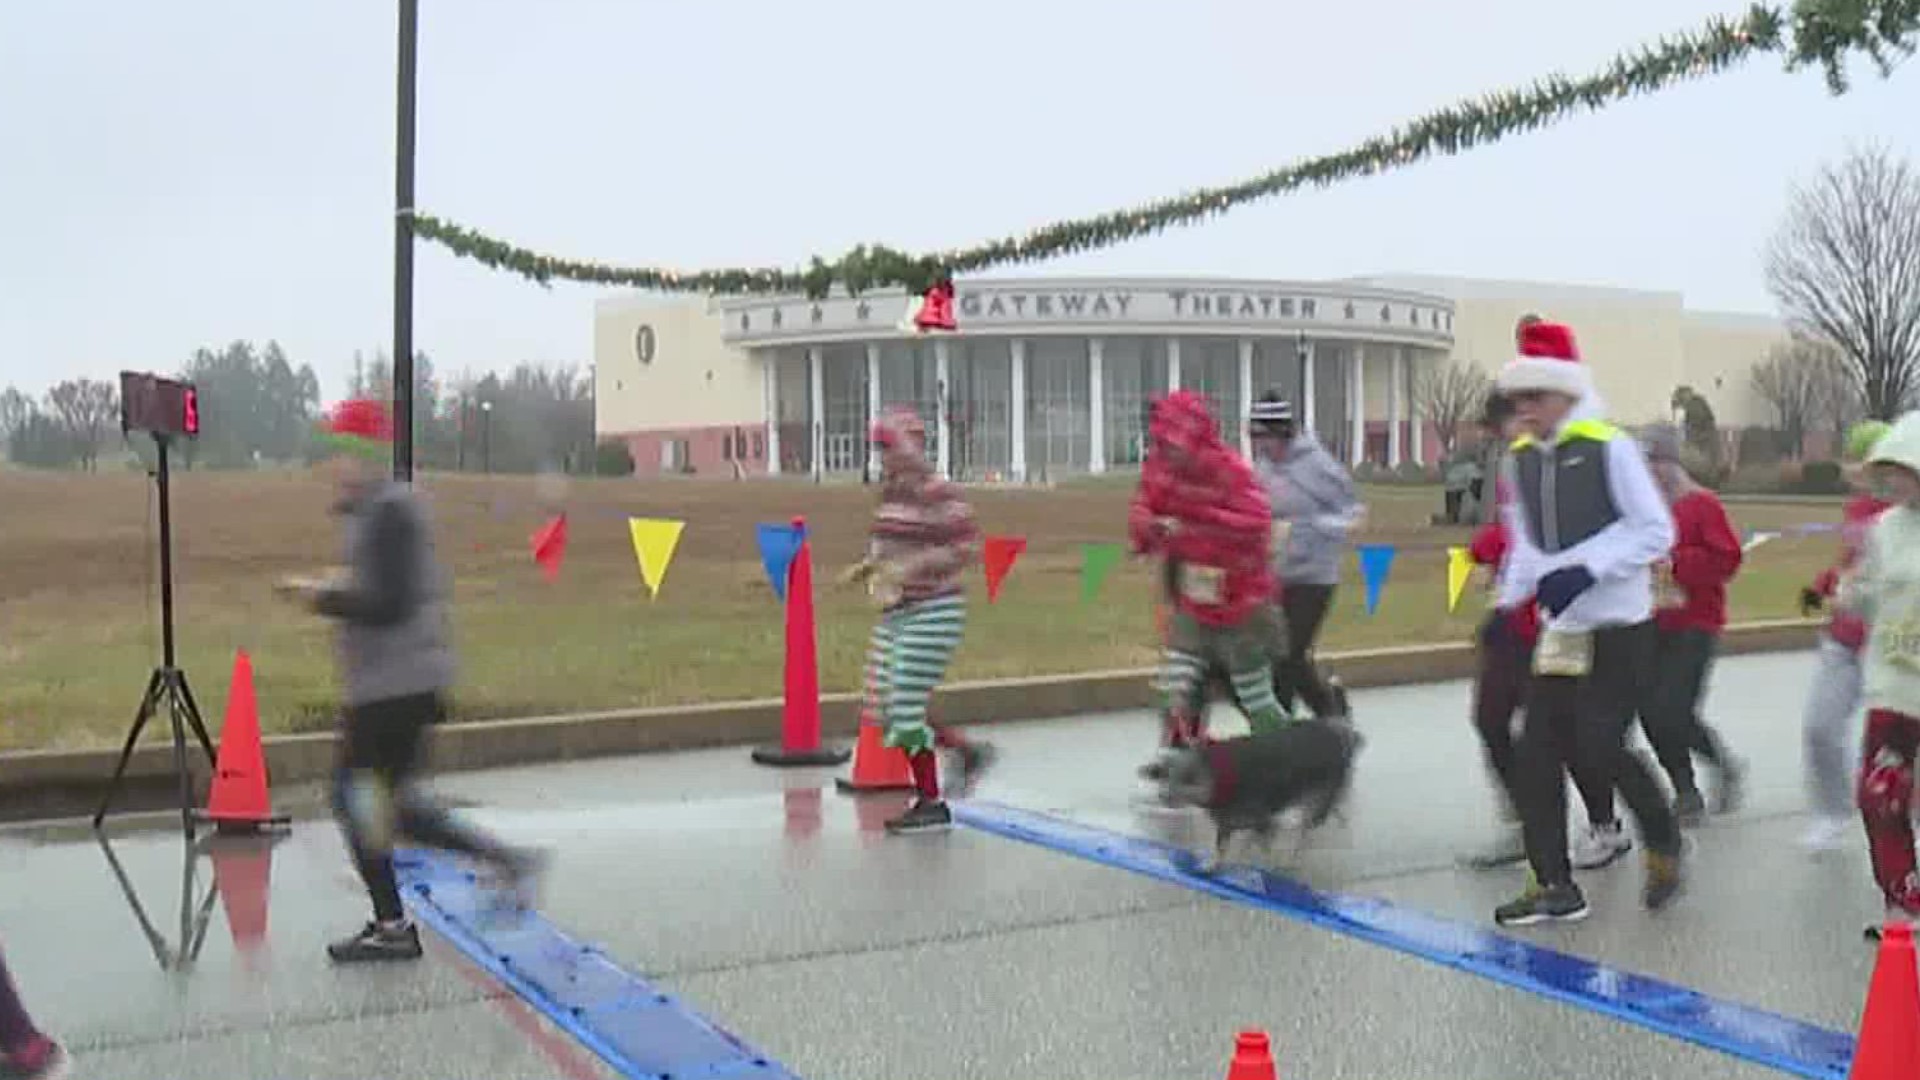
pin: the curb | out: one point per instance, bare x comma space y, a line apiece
44, 780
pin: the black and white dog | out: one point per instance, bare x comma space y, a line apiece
1246, 783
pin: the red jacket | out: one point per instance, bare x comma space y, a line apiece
1706, 554
1860, 513
1489, 548
1224, 523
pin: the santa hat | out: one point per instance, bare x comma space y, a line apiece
1548, 361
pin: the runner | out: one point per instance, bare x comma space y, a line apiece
1314, 507
1507, 638
1587, 524
396, 667
1200, 507
1833, 699
922, 539
1884, 590
1690, 599
25, 1053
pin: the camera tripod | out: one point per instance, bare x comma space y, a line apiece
167, 687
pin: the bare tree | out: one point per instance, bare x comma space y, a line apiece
1806, 383
85, 408
1449, 397
1845, 269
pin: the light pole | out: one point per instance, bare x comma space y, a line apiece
403, 243
486, 436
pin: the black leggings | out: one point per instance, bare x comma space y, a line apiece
1499, 693
1671, 717
1585, 719
375, 798
1305, 608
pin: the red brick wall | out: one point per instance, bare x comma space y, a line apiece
702, 451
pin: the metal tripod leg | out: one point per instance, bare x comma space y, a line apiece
194, 718
148, 703
175, 707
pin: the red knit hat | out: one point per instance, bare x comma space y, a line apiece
361, 426
1549, 361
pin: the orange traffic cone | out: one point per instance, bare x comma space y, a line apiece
243, 875
1889, 1044
1252, 1058
876, 766
239, 799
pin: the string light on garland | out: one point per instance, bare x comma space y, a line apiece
1825, 32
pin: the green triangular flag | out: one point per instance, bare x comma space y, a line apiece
1096, 562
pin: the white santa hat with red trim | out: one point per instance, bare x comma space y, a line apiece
1549, 361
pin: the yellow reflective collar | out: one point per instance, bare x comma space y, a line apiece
1597, 430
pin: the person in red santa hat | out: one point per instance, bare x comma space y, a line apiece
1586, 523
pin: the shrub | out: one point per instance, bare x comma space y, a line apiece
1822, 478
612, 458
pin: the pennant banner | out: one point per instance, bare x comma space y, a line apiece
997, 556
778, 545
1459, 570
1096, 562
550, 546
1375, 561
653, 542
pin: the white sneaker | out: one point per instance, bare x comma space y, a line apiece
1600, 845
1826, 834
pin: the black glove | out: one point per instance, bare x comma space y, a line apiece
1811, 601
1558, 590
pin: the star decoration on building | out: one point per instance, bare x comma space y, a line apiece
1386, 313
1349, 309
745, 322
777, 319
818, 315
862, 310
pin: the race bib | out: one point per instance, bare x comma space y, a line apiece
1202, 584
1667, 594
883, 585
1566, 653
1899, 644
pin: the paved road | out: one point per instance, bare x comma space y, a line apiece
780, 911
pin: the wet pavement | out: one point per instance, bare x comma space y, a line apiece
776, 908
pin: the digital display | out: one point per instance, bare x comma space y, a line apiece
161, 406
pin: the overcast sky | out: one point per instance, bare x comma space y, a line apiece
185, 173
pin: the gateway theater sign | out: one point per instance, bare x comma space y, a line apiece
1115, 306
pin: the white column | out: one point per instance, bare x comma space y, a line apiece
1357, 406
873, 404
1017, 408
771, 367
1097, 405
1173, 364
817, 393
943, 428
1246, 396
1416, 424
1307, 411
1396, 403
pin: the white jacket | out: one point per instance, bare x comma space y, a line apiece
1884, 588
1620, 557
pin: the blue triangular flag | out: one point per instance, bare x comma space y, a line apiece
778, 545
1375, 561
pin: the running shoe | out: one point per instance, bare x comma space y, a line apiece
971, 762
925, 815
1664, 880
1543, 903
1600, 845
378, 941
1826, 834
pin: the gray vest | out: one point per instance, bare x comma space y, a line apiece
414, 655
1565, 489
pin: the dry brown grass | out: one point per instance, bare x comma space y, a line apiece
79, 612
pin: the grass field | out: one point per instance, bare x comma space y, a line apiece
79, 608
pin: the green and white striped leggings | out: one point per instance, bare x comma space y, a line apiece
912, 645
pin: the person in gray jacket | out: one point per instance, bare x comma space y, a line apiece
1314, 506
397, 664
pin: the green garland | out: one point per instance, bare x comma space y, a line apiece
1824, 32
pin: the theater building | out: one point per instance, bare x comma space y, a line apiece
1050, 377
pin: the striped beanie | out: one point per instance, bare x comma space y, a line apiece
362, 427
1270, 411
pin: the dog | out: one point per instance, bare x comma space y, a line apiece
1245, 784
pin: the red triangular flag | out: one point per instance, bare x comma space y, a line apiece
550, 546
997, 556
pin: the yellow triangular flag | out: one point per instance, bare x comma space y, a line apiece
1459, 569
653, 542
